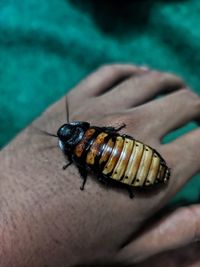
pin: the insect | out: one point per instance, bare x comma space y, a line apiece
111, 156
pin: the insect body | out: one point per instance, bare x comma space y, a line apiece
111, 156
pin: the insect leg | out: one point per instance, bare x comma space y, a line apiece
67, 165
83, 174
102, 179
113, 129
120, 127
128, 136
131, 194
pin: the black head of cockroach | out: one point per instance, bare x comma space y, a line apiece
70, 134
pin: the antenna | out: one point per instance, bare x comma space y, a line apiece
44, 132
67, 109
50, 134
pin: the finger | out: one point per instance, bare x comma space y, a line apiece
138, 90
187, 256
186, 154
173, 110
176, 230
105, 77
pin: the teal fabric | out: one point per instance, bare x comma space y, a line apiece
47, 46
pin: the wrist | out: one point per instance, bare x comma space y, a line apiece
34, 225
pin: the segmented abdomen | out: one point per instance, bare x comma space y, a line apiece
122, 159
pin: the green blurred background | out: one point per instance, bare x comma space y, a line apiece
47, 46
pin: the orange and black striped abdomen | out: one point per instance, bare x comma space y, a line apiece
121, 158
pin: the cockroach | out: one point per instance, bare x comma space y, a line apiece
112, 156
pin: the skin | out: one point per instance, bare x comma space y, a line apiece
45, 220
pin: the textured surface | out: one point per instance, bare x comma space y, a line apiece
47, 46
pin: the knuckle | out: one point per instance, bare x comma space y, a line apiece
174, 77
170, 77
113, 69
166, 78
106, 67
192, 97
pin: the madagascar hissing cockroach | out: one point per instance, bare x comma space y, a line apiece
111, 156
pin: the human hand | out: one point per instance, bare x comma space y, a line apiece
98, 225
